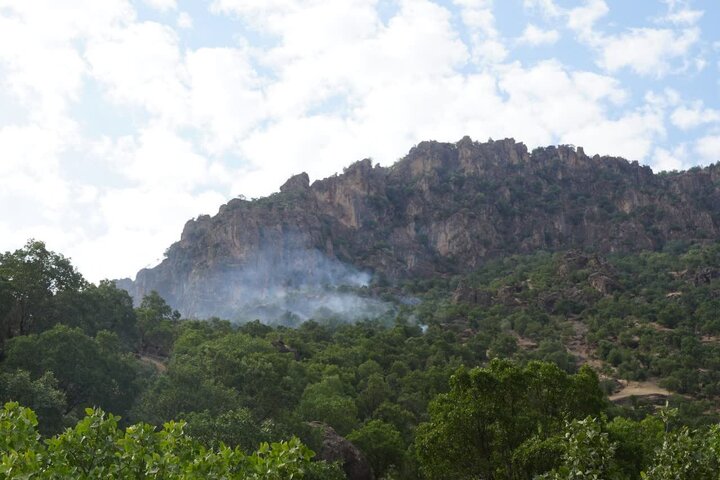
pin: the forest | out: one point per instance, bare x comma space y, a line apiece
514, 371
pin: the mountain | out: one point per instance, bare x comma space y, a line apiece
445, 208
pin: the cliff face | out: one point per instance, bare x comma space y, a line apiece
444, 208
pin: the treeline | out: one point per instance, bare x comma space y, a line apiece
428, 395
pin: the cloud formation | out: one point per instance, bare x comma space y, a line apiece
118, 123
533, 35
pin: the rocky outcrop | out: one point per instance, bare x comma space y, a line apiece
336, 448
464, 293
444, 208
603, 283
705, 275
600, 274
284, 348
297, 183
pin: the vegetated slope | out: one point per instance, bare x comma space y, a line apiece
652, 317
444, 208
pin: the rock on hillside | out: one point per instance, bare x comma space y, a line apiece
444, 208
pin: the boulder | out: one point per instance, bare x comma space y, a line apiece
336, 448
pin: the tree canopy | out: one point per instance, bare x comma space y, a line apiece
479, 376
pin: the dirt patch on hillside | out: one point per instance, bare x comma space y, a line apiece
656, 326
525, 343
156, 362
638, 389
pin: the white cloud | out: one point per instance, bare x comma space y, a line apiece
260, 9
631, 136
184, 20
306, 27
39, 61
582, 19
162, 5
533, 35
61, 22
679, 12
31, 171
479, 19
700, 64
30, 148
159, 157
687, 117
417, 43
667, 98
666, 160
37, 200
684, 17
141, 224
478, 14
647, 51
226, 97
141, 66
489, 51
547, 7
548, 104
708, 148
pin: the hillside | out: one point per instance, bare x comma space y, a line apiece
507, 369
650, 320
443, 209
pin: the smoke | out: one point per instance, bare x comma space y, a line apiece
283, 283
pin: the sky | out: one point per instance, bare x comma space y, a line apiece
120, 120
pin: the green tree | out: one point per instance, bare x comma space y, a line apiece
682, 456
381, 443
185, 388
31, 277
87, 373
589, 453
376, 391
96, 308
685, 454
325, 402
155, 321
403, 421
42, 394
636, 442
234, 428
490, 412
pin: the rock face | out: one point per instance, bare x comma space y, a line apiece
336, 448
444, 208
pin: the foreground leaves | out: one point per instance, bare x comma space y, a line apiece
97, 448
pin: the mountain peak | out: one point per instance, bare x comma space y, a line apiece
444, 208
299, 182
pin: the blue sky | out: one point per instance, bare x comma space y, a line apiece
120, 120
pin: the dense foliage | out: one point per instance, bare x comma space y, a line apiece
97, 448
652, 316
496, 421
478, 376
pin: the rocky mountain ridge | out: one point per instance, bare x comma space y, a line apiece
444, 208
